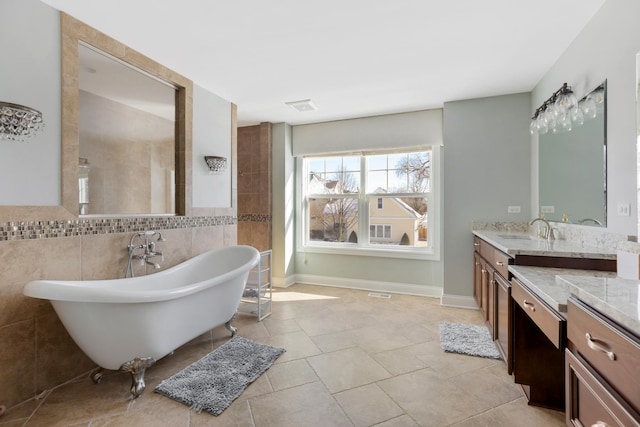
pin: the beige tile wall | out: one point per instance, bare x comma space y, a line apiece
254, 186
36, 352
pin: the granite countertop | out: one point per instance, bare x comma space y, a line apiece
616, 298
525, 244
544, 282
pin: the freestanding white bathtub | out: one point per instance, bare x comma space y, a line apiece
128, 324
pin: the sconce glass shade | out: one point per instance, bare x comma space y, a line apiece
216, 164
18, 122
562, 111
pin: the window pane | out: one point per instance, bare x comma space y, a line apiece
333, 175
377, 182
377, 162
401, 221
333, 220
315, 164
351, 163
399, 173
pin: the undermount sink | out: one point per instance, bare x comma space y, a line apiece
515, 236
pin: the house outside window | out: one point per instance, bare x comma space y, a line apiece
368, 203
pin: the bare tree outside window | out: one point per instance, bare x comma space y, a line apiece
416, 167
336, 218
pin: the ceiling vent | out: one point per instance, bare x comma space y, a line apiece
302, 105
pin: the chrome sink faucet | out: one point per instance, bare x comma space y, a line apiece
548, 231
146, 248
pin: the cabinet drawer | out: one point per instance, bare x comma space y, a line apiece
589, 402
476, 243
611, 352
497, 259
549, 322
486, 250
501, 263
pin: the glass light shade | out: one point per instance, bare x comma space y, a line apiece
589, 109
542, 125
564, 123
533, 127
576, 116
597, 96
566, 101
550, 118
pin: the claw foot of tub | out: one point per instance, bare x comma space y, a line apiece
137, 368
96, 375
232, 329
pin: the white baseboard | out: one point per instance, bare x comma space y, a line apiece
370, 285
459, 301
283, 282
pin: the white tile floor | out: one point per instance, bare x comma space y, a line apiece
351, 360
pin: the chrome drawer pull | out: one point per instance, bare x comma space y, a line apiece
600, 424
476, 244
528, 305
500, 263
593, 345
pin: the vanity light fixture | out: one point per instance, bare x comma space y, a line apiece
18, 122
216, 164
562, 110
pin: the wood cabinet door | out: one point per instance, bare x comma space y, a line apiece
590, 402
477, 279
503, 320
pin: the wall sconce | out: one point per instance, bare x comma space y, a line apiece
216, 164
18, 122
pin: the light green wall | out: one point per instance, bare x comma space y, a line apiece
30, 32
283, 204
374, 269
486, 169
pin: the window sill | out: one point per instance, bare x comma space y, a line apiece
418, 254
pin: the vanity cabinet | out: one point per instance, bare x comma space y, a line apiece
603, 368
503, 325
491, 270
539, 338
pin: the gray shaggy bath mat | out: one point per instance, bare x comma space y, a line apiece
473, 340
213, 382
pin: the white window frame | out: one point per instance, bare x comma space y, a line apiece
434, 197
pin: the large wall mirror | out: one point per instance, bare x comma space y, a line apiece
572, 167
126, 129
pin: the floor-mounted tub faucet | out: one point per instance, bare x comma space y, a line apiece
145, 244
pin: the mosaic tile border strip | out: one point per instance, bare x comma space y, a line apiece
254, 217
22, 230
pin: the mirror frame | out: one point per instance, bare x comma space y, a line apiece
75, 31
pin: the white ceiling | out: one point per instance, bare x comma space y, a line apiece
353, 58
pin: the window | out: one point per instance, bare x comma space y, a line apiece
370, 202
380, 231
